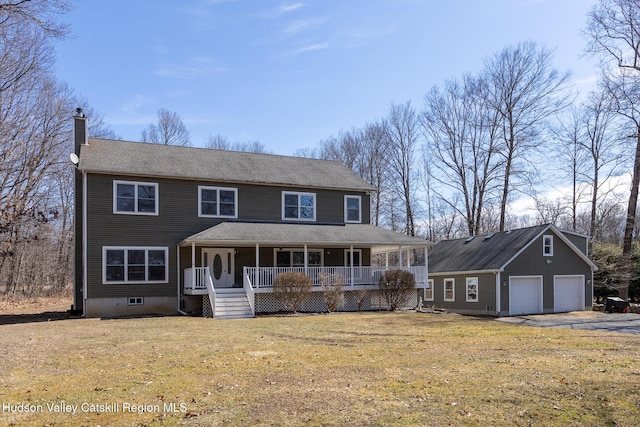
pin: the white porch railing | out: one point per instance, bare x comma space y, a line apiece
200, 280
263, 277
200, 283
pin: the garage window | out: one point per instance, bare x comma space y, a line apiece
547, 245
428, 291
472, 289
449, 289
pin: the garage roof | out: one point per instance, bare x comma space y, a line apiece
491, 252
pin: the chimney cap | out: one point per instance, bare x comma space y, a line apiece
79, 112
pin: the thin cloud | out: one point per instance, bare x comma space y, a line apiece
195, 68
303, 25
281, 10
310, 48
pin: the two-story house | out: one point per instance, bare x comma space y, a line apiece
166, 229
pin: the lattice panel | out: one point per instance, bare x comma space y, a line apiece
267, 303
206, 307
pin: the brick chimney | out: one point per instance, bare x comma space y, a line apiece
80, 130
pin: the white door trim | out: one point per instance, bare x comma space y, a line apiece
226, 277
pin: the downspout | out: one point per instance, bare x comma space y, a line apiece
179, 281
498, 298
84, 244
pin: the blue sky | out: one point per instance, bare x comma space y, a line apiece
291, 73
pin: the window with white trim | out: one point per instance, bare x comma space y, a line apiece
137, 198
547, 245
298, 206
295, 258
449, 289
352, 209
217, 202
472, 289
428, 291
135, 264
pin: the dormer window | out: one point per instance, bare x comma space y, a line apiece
298, 206
352, 209
547, 245
138, 198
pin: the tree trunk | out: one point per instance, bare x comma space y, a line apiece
625, 260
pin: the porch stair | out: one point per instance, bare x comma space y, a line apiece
232, 304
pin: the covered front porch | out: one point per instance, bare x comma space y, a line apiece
249, 256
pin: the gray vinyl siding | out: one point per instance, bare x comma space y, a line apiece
580, 242
486, 304
178, 219
531, 262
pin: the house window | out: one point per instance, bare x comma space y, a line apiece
449, 289
547, 245
139, 198
134, 264
352, 209
300, 206
295, 258
428, 291
217, 202
472, 289
135, 301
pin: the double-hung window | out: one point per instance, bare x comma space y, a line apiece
135, 264
428, 291
472, 289
547, 245
298, 206
138, 198
352, 209
219, 202
449, 289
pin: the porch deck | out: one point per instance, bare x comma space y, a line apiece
260, 279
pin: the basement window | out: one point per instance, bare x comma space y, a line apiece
135, 301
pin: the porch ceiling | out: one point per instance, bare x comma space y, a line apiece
236, 233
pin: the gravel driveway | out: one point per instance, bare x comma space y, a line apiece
625, 323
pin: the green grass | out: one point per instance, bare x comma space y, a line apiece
371, 369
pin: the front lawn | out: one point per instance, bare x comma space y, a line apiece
344, 369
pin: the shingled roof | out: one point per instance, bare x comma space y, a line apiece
490, 252
143, 159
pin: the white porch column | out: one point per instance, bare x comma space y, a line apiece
351, 261
193, 264
400, 256
386, 260
306, 261
257, 265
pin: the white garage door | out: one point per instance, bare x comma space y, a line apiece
525, 295
568, 293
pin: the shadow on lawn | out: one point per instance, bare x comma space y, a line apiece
47, 316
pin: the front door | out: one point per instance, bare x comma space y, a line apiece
221, 268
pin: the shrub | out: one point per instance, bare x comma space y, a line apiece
292, 289
332, 289
396, 286
360, 296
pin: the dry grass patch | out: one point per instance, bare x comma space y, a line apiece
346, 369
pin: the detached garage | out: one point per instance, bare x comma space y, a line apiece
531, 270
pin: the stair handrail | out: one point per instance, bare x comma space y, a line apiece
212, 293
248, 289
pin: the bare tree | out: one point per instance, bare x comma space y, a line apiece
220, 142
613, 29
375, 165
42, 14
170, 130
461, 143
525, 90
402, 129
